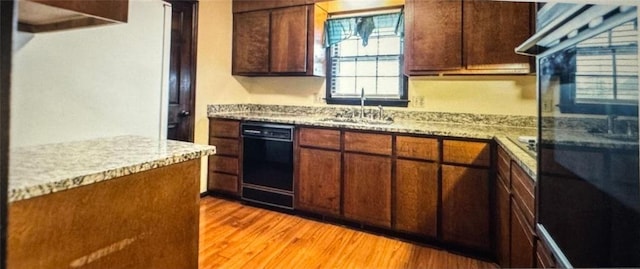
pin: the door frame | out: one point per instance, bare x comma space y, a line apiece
7, 28
193, 59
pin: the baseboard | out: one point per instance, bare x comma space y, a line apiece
204, 194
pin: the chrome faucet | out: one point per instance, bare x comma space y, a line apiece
380, 113
362, 98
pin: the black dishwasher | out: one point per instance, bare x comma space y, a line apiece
267, 166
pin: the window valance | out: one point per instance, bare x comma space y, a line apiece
339, 29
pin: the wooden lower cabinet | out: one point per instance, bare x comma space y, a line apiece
465, 206
143, 220
522, 244
503, 224
319, 181
367, 189
224, 167
416, 197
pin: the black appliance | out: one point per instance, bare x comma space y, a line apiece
267, 167
588, 188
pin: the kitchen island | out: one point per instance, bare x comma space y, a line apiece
119, 202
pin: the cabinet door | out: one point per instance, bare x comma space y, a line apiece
492, 29
522, 251
367, 189
416, 195
433, 35
503, 223
251, 42
289, 40
319, 181
465, 206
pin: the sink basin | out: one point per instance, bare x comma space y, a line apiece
358, 120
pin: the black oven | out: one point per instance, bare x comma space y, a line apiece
588, 188
267, 167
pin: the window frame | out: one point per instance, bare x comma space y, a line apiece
569, 104
402, 101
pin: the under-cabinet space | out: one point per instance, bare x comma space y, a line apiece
53, 15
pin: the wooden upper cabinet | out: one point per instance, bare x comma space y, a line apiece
251, 5
281, 41
466, 37
289, 40
433, 36
492, 29
53, 15
251, 42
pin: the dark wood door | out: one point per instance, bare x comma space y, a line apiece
319, 181
416, 195
251, 42
7, 18
367, 189
433, 35
492, 29
182, 70
289, 40
465, 206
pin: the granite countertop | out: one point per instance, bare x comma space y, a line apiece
459, 130
43, 169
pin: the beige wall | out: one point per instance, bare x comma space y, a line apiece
215, 85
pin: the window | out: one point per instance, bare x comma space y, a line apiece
605, 78
365, 52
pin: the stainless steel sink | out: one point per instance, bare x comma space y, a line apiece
357, 120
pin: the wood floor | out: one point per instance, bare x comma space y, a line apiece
233, 235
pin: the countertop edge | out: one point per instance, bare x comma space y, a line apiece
59, 185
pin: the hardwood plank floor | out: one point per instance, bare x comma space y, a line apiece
233, 235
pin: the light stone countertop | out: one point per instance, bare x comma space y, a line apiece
43, 169
456, 130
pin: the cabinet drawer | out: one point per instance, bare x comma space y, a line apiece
522, 187
504, 166
225, 146
464, 152
223, 182
224, 128
367, 143
321, 138
223, 164
416, 147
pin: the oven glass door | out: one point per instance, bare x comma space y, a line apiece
268, 163
588, 188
